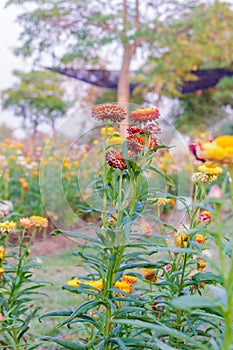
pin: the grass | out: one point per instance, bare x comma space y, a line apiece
56, 270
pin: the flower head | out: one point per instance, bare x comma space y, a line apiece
7, 227
209, 169
199, 238
221, 149
116, 160
1, 270
96, 284
181, 240
129, 279
205, 216
2, 252
26, 222
109, 111
145, 114
149, 275
123, 286
39, 221
73, 283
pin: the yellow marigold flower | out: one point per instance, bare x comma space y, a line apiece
181, 240
2, 252
210, 168
73, 283
99, 284
7, 226
109, 132
129, 279
26, 222
149, 275
1, 270
200, 238
125, 287
39, 221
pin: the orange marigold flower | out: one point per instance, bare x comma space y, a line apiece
123, 286
206, 216
73, 283
7, 226
116, 160
145, 114
109, 111
2, 252
129, 279
200, 238
1, 270
149, 275
39, 221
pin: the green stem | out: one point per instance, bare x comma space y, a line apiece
105, 181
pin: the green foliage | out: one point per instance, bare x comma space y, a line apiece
19, 289
37, 97
148, 290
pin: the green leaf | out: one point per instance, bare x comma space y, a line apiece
56, 313
66, 343
161, 329
82, 309
193, 301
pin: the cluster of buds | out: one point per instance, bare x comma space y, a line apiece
182, 239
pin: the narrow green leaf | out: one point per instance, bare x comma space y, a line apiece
66, 343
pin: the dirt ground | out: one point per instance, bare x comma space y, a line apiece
51, 245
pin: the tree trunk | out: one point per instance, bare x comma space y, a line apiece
123, 88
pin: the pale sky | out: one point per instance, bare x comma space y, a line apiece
9, 31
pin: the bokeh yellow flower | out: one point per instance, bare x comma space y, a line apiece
221, 149
7, 226
210, 169
1, 270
